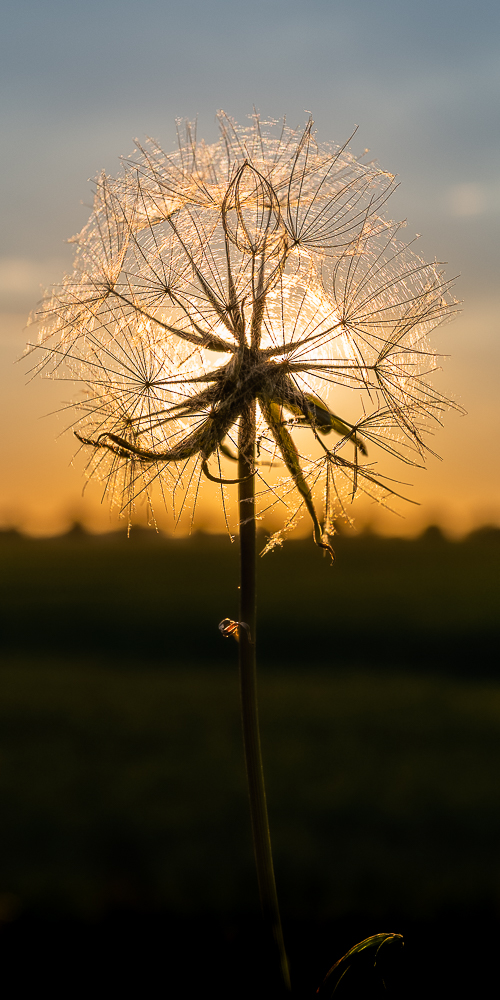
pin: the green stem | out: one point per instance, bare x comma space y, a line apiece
248, 683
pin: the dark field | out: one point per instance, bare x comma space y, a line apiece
430, 603
124, 836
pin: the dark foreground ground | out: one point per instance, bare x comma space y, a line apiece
166, 955
429, 602
125, 856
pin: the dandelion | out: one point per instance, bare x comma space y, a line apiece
249, 282
248, 302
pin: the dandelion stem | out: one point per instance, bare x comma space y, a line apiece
248, 683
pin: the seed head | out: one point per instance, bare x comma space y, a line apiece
257, 270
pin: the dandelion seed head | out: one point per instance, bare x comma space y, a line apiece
259, 268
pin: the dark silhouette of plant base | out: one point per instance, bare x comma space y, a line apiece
361, 972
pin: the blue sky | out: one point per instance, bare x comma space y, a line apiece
421, 80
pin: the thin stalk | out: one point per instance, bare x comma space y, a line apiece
248, 687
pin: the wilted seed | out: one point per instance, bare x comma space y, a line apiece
255, 270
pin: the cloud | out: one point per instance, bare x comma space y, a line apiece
467, 199
23, 281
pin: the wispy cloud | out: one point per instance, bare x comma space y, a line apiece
467, 199
23, 281
472, 199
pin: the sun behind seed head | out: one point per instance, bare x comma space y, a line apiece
259, 270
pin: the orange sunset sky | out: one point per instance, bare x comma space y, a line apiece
421, 82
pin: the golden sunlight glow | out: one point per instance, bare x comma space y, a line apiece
256, 271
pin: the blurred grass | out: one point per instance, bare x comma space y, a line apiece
429, 603
121, 772
126, 787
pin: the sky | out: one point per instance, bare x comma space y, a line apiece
420, 80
